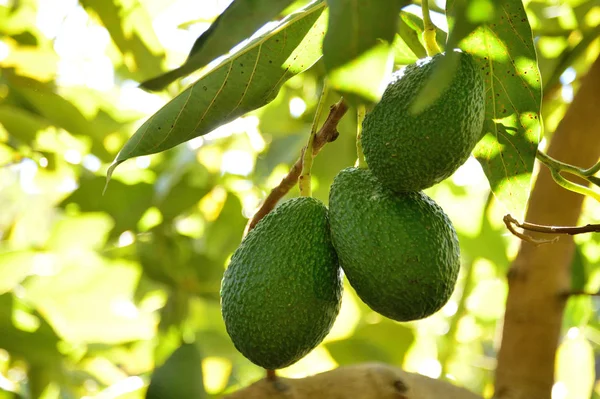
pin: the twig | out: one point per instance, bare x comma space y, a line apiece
327, 133
509, 220
538, 228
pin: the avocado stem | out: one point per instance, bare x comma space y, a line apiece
307, 156
429, 31
360, 113
271, 375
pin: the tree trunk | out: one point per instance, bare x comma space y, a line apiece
539, 275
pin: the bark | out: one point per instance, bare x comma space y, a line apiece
539, 275
364, 381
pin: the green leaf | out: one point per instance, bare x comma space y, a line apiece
239, 21
385, 341
243, 82
503, 47
21, 124
179, 377
130, 28
124, 203
357, 46
91, 303
579, 274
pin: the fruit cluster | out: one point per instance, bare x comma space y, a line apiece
282, 290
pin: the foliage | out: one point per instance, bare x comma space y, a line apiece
105, 295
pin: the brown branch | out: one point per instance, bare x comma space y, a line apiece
539, 228
509, 220
326, 134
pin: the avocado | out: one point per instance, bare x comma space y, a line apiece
399, 251
411, 151
282, 289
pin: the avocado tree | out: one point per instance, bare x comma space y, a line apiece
136, 170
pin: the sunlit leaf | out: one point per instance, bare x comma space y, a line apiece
578, 382
503, 47
89, 300
243, 82
86, 231
179, 377
130, 27
14, 267
238, 22
357, 47
60, 112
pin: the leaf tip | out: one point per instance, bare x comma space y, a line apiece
109, 173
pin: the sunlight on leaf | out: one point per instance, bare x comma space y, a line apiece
239, 21
243, 82
577, 382
357, 47
505, 51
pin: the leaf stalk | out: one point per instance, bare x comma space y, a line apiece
307, 157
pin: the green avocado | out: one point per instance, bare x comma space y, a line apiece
282, 289
411, 151
399, 251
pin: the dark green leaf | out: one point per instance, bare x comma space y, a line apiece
179, 377
37, 348
20, 123
243, 82
130, 27
357, 46
124, 203
503, 47
240, 20
579, 275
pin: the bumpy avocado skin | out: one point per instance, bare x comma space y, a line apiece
411, 152
400, 251
282, 289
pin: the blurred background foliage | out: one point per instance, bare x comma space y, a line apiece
117, 296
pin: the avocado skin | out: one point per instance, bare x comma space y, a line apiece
411, 152
399, 252
282, 290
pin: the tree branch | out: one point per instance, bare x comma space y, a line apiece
326, 134
361, 381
